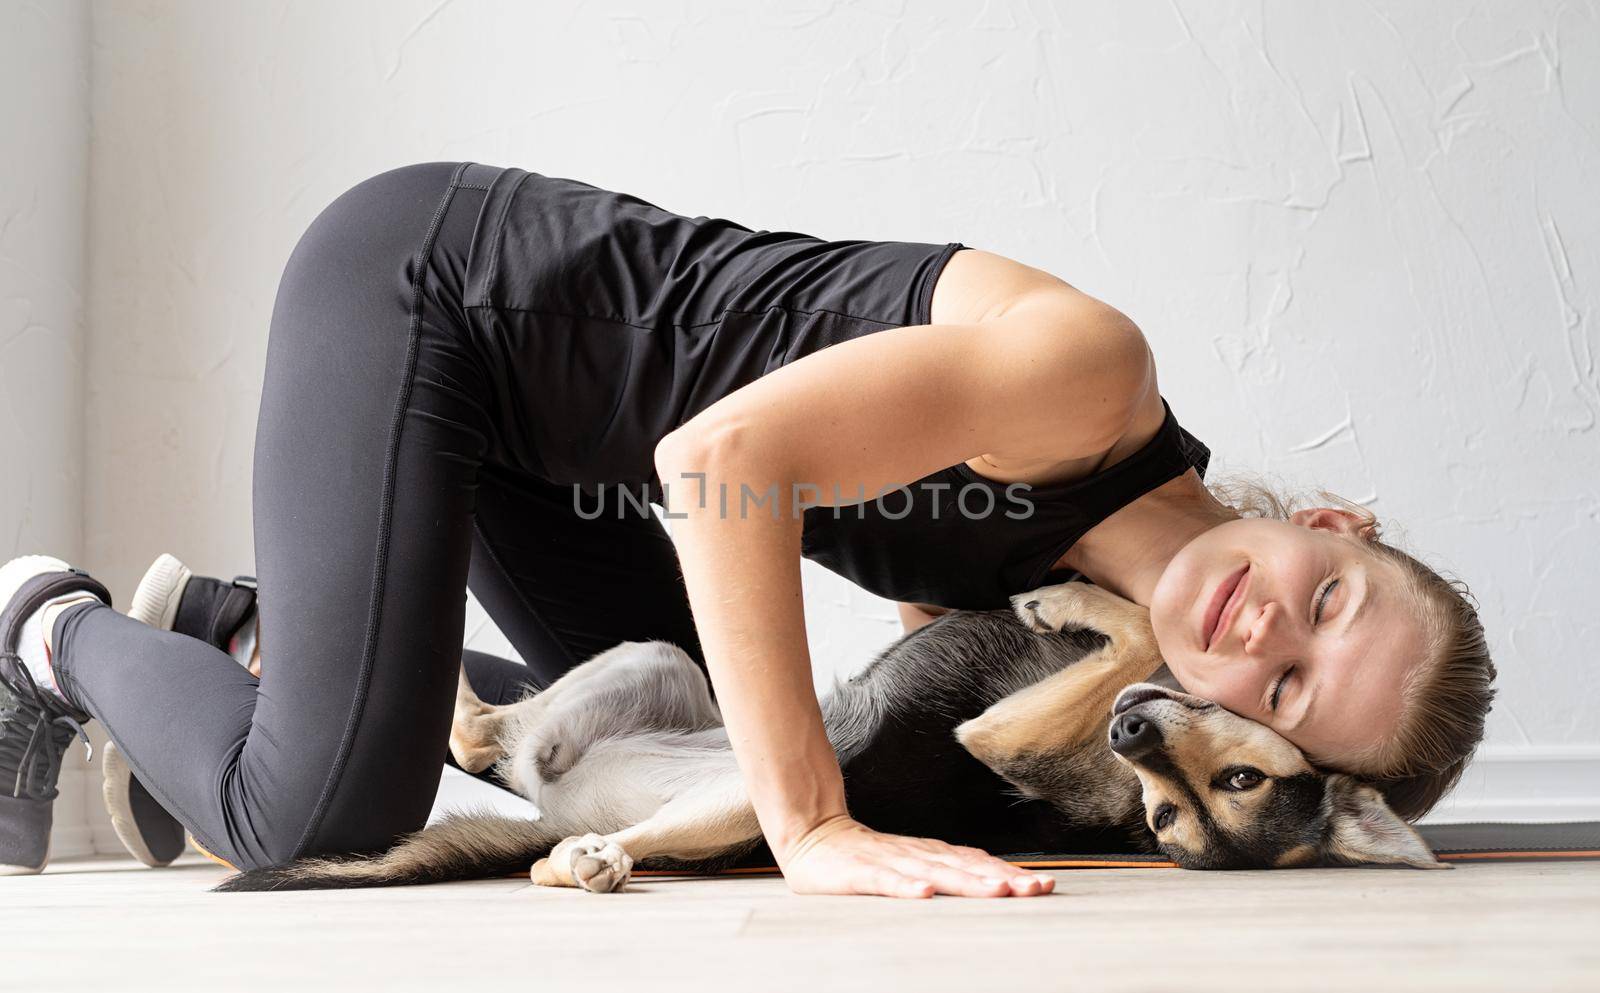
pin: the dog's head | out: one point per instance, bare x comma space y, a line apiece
1223, 792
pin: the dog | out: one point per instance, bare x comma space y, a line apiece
982, 728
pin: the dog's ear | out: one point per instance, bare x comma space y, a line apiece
1363, 830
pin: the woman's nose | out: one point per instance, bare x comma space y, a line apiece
1269, 635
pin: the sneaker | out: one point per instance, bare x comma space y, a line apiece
36, 724
144, 827
170, 597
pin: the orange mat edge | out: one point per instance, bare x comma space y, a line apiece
1554, 854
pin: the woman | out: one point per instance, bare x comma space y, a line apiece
456, 347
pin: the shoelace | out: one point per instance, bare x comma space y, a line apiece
34, 778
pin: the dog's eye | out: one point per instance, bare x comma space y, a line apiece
1245, 779
1165, 815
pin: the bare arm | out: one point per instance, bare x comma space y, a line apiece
1055, 375
913, 616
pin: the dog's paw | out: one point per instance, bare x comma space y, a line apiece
600, 866
1049, 609
473, 751
588, 862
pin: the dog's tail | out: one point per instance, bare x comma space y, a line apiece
461, 846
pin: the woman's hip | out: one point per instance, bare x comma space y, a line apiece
399, 242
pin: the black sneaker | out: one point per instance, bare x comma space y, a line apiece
36, 725
172, 598
144, 827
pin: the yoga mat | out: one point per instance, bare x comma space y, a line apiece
1485, 841
1477, 842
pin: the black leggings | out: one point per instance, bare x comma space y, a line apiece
382, 492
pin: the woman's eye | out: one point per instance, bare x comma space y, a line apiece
1322, 600
1165, 816
1245, 779
1277, 688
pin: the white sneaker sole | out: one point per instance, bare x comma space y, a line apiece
115, 789
156, 600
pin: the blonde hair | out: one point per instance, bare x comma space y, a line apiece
1445, 698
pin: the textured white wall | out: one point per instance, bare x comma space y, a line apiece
1365, 243
44, 177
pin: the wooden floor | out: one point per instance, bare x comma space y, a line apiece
111, 925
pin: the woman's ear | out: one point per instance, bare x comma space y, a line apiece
1332, 519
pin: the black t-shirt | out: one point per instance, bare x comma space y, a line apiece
958, 539
612, 321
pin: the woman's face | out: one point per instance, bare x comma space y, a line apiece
1295, 624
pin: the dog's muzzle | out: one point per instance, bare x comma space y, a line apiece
1134, 735
1141, 693
1135, 730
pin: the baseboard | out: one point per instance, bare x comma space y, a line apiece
71, 841
1526, 783
71, 835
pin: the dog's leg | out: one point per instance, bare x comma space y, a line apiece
478, 729
635, 687
703, 823
636, 684
1070, 707
475, 729
1048, 609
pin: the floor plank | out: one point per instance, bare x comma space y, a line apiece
114, 925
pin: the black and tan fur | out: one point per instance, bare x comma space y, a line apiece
983, 728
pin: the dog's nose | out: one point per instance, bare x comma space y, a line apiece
1133, 735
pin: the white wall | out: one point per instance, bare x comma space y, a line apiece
44, 160
1364, 241
44, 177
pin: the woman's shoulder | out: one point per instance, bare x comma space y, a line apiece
977, 286
980, 287
1146, 424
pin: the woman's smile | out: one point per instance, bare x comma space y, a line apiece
1225, 604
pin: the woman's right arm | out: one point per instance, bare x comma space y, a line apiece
1058, 375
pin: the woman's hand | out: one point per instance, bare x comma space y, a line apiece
844, 856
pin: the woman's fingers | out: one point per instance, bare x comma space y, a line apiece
851, 858
963, 871
888, 882
918, 878
1032, 884
978, 862
953, 881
